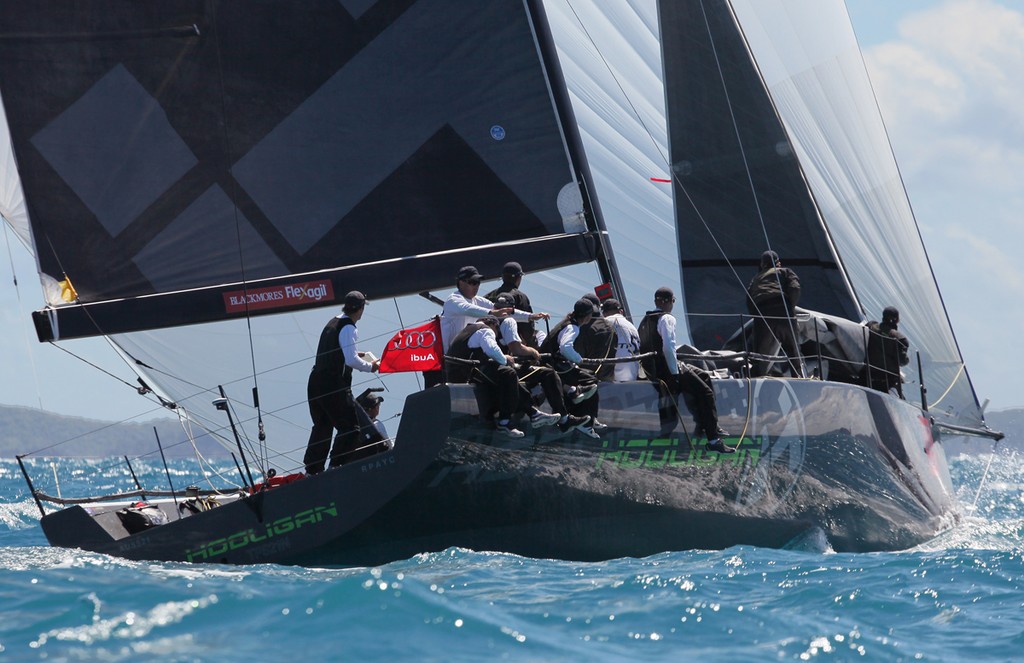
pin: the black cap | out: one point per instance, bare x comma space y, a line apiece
504, 300
890, 314
354, 301
582, 308
663, 294
592, 298
768, 259
469, 273
369, 400
611, 304
512, 269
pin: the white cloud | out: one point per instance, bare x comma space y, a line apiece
979, 255
951, 89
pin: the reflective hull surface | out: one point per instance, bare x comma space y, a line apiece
813, 458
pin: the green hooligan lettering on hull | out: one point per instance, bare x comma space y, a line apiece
249, 536
282, 526
670, 453
239, 540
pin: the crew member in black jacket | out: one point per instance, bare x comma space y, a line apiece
887, 351
331, 405
771, 298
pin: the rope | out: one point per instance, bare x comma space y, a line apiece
951, 385
984, 476
28, 342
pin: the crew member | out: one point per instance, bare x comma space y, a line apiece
331, 406
370, 402
530, 370
511, 280
597, 340
887, 351
771, 298
627, 340
477, 342
658, 334
464, 306
583, 383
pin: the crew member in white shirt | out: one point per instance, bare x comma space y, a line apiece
627, 340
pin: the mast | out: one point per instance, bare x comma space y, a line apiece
574, 144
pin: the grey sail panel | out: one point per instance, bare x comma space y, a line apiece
738, 187
195, 145
808, 56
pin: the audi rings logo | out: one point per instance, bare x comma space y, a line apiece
412, 340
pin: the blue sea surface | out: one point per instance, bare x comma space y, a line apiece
957, 598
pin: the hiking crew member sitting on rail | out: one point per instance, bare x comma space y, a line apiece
658, 334
597, 341
530, 370
494, 373
566, 360
464, 306
511, 279
627, 340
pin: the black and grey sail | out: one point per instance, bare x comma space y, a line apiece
196, 165
777, 143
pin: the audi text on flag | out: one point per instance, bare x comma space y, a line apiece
415, 349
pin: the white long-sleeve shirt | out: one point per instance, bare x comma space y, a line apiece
509, 331
667, 329
485, 340
458, 312
566, 339
627, 345
347, 339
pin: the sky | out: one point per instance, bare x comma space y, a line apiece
949, 78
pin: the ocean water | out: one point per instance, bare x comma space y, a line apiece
957, 598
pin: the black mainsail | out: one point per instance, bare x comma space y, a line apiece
220, 159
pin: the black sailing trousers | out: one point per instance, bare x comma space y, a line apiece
331, 407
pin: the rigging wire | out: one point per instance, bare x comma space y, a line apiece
401, 325
17, 292
963, 368
984, 477
262, 436
675, 178
747, 171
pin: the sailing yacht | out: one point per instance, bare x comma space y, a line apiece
204, 181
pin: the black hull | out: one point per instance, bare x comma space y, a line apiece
276, 524
858, 465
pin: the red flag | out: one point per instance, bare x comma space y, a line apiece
416, 349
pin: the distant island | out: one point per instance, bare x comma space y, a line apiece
25, 430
